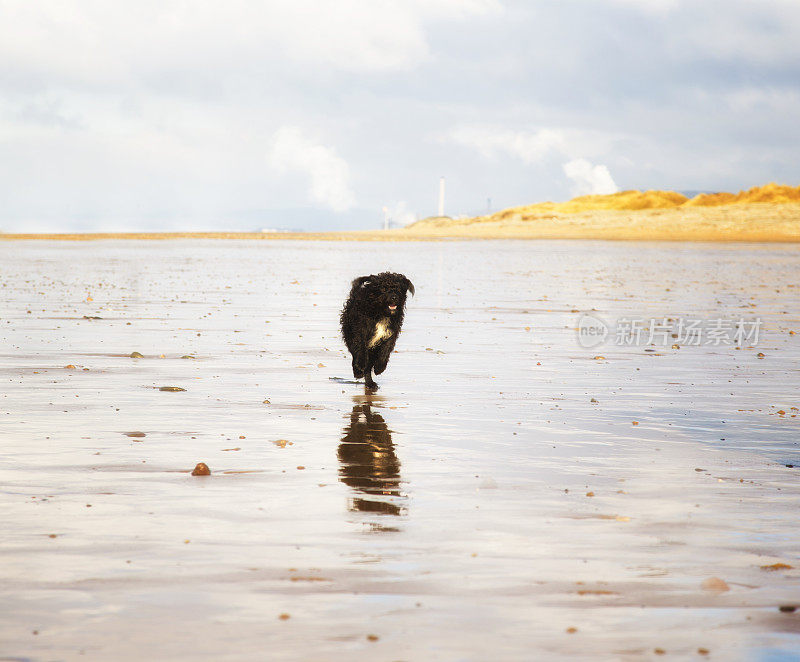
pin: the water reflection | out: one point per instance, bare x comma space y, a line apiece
369, 464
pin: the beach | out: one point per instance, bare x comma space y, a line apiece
515, 489
755, 222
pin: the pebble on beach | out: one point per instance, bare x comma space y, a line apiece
136, 355
715, 584
201, 470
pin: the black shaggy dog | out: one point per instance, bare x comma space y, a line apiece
371, 321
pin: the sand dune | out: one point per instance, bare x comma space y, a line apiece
740, 222
636, 200
769, 213
774, 193
765, 213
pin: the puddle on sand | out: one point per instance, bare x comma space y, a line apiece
369, 464
493, 500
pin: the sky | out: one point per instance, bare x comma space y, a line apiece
311, 114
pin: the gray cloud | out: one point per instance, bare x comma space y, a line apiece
161, 114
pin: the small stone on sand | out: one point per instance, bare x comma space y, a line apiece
715, 584
201, 470
137, 355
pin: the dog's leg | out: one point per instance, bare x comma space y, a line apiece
382, 353
358, 366
368, 363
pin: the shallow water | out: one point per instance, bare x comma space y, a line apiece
447, 516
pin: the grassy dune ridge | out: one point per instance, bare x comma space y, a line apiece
636, 200
762, 213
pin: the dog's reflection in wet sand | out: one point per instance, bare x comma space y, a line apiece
369, 464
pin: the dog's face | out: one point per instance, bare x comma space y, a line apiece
386, 292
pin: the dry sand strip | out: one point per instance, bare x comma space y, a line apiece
757, 222
354, 235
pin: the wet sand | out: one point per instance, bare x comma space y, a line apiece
507, 494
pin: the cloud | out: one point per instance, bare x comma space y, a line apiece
654, 6
329, 174
491, 143
166, 109
589, 179
399, 214
537, 147
94, 43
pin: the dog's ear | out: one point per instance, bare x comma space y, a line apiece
410, 286
361, 281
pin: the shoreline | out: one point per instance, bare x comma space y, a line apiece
370, 237
756, 222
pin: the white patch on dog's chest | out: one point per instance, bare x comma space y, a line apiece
382, 332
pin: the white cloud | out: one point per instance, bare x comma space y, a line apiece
167, 108
399, 214
491, 143
96, 42
329, 174
654, 6
536, 147
589, 179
